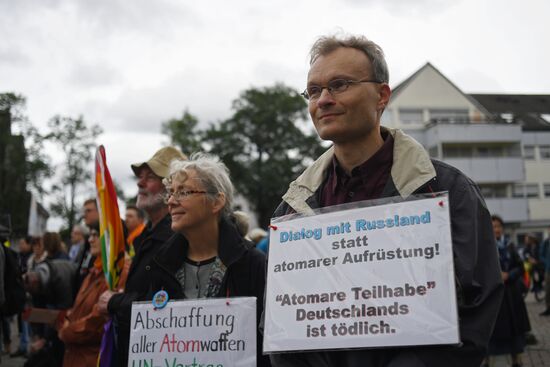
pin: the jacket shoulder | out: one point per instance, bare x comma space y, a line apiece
450, 178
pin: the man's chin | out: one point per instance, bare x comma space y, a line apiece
149, 205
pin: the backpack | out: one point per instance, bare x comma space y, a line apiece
13, 285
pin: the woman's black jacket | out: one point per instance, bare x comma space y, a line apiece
245, 275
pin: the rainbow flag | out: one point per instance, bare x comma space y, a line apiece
110, 226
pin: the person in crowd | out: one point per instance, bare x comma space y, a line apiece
25, 252
347, 91
78, 239
82, 328
2, 267
38, 255
84, 258
241, 220
256, 235
2, 295
208, 256
158, 230
52, 283
135, 223
545, 259
52, 245
513, 321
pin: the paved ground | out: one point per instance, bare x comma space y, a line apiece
535, 355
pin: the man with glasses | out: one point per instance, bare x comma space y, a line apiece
347, 91
150, 199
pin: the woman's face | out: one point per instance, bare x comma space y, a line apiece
95, 244
189, 205
38, 248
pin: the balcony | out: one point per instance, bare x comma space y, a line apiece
490, 170
510, 209
472, 133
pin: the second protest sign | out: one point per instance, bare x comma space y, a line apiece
365, 277
205, 332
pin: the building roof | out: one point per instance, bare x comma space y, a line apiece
403, 85
531, 111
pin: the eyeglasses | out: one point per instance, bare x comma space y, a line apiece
313, 92
181, 195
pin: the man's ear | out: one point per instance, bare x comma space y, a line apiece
385, 94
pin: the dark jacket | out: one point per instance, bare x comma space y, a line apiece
138, 285
477, 275
244, 277
57, 282
512, 320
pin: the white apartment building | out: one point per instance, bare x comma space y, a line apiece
501, 141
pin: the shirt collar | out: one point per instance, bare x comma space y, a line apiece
379, 160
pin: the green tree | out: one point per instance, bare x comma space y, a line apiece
76, 140
263, 145
183, 132
37, 163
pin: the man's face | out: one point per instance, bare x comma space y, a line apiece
497, 229
132, 219
76, 235
91, 215
150, 188
355, 113
24, 246
38, 248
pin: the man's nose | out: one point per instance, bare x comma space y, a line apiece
325, 99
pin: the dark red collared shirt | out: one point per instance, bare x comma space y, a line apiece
367, 181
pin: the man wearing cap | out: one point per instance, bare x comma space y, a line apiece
157, 231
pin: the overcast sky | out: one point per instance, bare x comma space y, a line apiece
129, 65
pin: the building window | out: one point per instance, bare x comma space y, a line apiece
529, 151
547, 190
518, 191
532, 190
544, 151
525, 191
457, 152
493, 191
449, 115
411, 116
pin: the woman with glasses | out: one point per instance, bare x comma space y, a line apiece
207, 256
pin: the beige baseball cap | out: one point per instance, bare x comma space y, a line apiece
160, 161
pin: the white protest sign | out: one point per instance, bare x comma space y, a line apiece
201, 332
366, 277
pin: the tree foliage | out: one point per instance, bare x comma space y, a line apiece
37, 163
183, 132
76, 140
261, 144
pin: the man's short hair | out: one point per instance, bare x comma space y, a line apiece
82, 229
327, 44
140, 213
91, 200
498, 219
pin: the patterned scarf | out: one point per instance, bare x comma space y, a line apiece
215, 279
